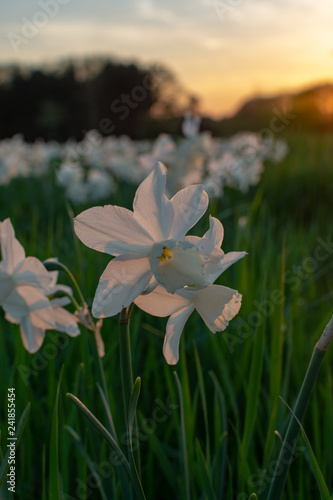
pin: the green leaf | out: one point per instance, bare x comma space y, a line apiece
78, 443
44, 473
223, 439
276, 359
131, 420
108, 412
119, 455
203, 400
54, 482
252, 398
102, 431
206, 482
184, 445
322, 486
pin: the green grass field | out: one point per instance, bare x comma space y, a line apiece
230, 382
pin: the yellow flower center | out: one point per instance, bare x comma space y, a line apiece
166, 254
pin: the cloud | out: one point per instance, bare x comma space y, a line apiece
147, 10
259, 43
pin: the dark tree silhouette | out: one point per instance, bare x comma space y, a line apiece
74, 97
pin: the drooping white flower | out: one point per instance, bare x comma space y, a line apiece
148, 243
24, 282
24, 288
216, 304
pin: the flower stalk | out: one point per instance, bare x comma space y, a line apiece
127, 373
289, 442
125, 357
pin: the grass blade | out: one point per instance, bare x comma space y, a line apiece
119, 457
276, 360
108, 412
279, 479
206, 482
103, 432
131, 422
184, 446
322, 486
223, 439
44, 473
54, 481
203, 401
78, 443
252, 398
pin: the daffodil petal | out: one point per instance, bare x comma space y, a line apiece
174, 330
112, 230
32, 336
217, 305
212, 239
160, 302
188, 205
124, 278
7, 284
215, 232
33, 273
152, 209
219, 262
12, 251
65, 321
230, 258
15, 306
40, 317
27, 299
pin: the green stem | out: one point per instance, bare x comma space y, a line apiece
127, 374
289, 442
125, 358
54, 265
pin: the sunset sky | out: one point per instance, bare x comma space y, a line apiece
223, 51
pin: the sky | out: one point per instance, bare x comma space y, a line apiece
223, 51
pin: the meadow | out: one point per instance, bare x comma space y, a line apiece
213, 435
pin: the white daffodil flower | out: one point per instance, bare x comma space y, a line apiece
24, 282
148, 243
217, 305
191, 125
24, 286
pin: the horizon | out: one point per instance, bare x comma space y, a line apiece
223, 52
217, 116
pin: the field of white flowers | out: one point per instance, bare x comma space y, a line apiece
160, 304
